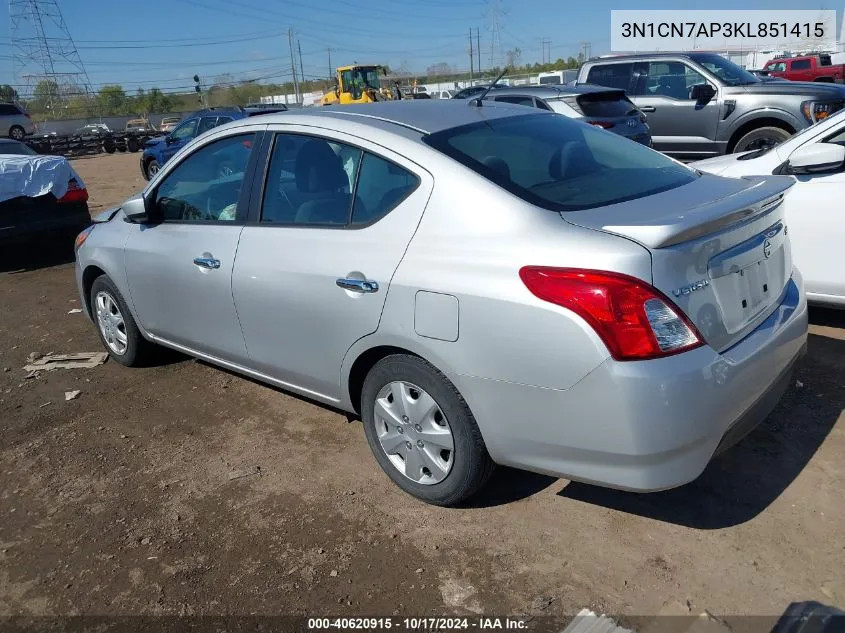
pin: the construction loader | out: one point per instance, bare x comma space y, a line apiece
357, 84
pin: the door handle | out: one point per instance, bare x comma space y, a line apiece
358, 285
207, 262
648, 109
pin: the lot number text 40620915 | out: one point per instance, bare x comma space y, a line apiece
415, 624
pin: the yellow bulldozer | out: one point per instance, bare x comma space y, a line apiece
358, 84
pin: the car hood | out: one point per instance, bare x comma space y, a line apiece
155, 142
816, 89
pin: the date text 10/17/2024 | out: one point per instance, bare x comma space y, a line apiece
413, 624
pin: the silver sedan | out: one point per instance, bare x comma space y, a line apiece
483, 285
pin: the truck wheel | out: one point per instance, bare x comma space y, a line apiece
109, 146
152, 169
132, 144
761, 138
17, 133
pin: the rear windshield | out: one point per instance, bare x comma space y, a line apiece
606, 105
560, 164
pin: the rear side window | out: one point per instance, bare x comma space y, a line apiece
7, 109
611, 75
801, 64
313, 181
559, 164
518, 100
605, 105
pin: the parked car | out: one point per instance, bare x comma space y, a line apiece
138, 125
42, 198
15, 123
474, 91
806, 68
605, 108
157, 151
443, 94
701, 104
93, 129
168, 124
627, 349
815, 158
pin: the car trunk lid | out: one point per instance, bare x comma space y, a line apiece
724, 261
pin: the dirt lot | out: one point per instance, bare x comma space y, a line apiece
122, 501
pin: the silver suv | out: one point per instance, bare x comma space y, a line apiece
701, 104
14, 122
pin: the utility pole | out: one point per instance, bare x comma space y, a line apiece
331, 70
478, 47
545, 41
301, 70
293, 65
471, 60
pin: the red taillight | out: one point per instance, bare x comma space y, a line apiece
75, 193
635, 320
602, 124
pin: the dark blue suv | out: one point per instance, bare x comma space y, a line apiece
158, 151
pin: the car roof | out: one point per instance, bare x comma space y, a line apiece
426, 116
613, 58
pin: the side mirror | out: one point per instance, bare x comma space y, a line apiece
816, 158
137, 210
702, 92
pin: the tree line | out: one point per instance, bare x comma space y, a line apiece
52, 101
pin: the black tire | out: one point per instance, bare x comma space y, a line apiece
121, 148
138, 349
132, 144
151, 169
471, 467
109, 146
761, 137
17, 133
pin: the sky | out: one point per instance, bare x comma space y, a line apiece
163, 43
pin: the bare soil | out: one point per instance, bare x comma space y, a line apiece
123, 501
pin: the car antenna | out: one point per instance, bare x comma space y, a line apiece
477, 101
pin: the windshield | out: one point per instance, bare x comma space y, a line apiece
369, 77
559, 164
725, 70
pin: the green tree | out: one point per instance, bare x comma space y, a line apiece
113, 100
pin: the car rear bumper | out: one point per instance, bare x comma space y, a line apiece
646, 425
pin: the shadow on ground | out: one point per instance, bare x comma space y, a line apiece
745, 480
36, 254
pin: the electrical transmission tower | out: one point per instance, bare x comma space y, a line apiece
46, 62
494, 15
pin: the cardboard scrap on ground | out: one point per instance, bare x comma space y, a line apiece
80, 360
589, 622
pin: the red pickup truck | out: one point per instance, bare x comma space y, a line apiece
809, 68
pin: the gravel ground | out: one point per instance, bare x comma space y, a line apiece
184, 489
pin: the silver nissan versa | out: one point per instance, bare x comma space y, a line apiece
483, 285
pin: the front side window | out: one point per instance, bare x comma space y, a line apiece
670, 79
725, 69
559, 164
206, 185
777, 68
316, 182
206, 123
185, 131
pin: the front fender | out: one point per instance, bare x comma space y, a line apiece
784, 116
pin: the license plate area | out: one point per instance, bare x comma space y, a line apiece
749, 277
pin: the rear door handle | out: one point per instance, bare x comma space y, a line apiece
648, 109
358, 285
207, 262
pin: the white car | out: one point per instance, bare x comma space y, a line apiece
815, 158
